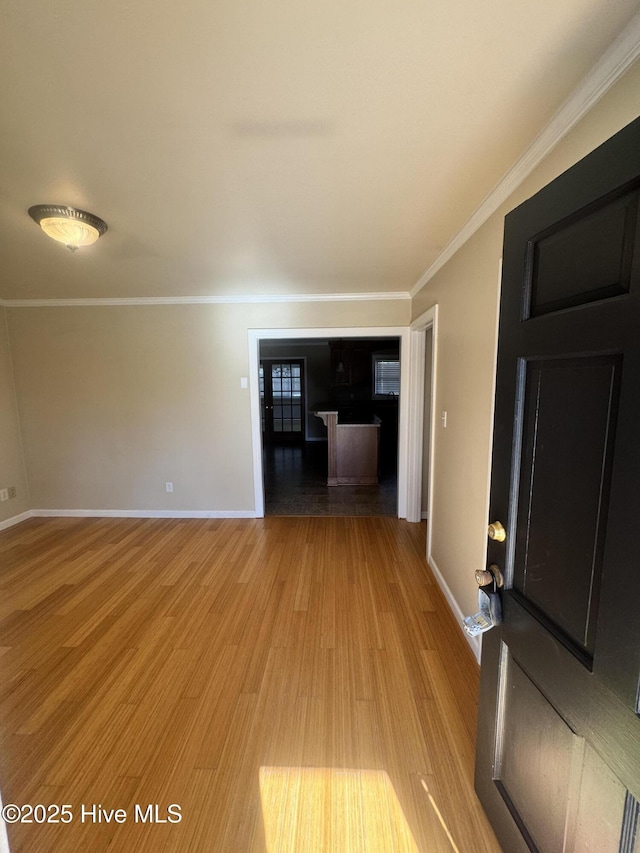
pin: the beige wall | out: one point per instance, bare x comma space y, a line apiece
467, 293
12, 471
115, 401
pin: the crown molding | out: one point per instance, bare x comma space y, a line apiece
207, 300
611, 66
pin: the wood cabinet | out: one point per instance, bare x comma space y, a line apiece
352, 450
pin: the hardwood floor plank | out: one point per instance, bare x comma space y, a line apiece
293, 684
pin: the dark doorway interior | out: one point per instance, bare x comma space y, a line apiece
345, 373
295, 479
282, 400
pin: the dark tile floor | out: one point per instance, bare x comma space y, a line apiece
295, 480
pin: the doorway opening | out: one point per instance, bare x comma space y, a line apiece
355, 376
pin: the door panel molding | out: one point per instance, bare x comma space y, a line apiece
589, 385
560, 675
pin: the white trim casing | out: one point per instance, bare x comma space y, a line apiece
254, 338
416, 424
255, 299
418, 330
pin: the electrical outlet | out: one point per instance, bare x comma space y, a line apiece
4, 494
12, 491
168, 487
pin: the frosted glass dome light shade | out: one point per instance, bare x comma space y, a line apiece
68, 225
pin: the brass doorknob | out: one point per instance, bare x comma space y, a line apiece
484, 577
497, 532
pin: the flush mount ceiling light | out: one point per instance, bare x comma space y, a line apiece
68, 225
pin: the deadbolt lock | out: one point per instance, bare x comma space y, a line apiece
497, 532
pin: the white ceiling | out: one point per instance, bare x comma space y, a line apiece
244, 147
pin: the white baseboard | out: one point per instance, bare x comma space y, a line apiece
474, 642
9, 522
124, 513
140, 513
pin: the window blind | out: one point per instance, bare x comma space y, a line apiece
387, 376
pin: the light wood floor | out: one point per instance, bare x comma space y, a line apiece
292, 684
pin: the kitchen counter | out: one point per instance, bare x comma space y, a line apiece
353, 446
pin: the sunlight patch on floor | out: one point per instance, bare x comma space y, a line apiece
321, 809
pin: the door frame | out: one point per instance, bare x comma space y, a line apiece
417, 374
407, 410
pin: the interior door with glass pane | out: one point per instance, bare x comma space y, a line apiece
282, 401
